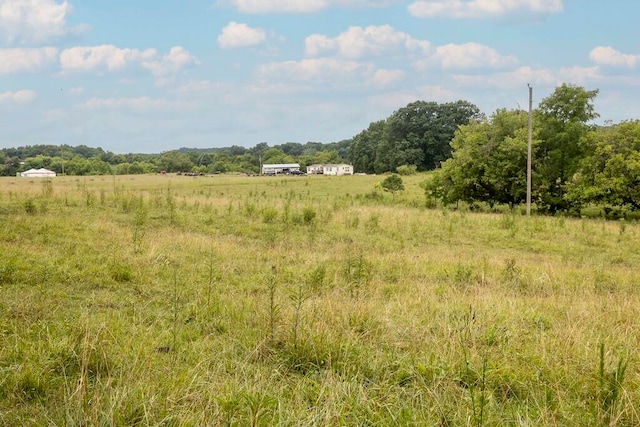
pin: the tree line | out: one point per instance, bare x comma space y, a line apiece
476, 158
575, 163
84, 160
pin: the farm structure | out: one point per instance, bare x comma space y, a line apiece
37, 173
278, 168
332, 169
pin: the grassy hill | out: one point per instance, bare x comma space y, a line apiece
169, 300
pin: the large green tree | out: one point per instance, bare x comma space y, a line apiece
418, 134
563, 123
488, 163
611, 176
363, 148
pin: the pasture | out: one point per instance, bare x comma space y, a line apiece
307, 301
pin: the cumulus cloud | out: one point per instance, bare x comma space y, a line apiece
611, 57
112, 58
19, 97
470, 55
303, 6
19, 60
386, 77
33, 21
482, 8
240, 35
511, 79
170, 63
357, 42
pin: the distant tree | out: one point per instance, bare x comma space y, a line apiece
276, 155
362, 152
393, 183
418, 134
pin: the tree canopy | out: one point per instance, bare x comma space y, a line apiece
418, 134
488, 162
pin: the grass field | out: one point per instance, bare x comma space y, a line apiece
317, 301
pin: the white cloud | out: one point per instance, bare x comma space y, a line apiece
512, 79
609, 56
482, 8
89, 58
357, 42
33, 21
240, 35
138, 104
20, 97
112, 58
194, 87
580, 75
386, 77
270, 6
18, 60
470, 55
170, 63
303, 6
317, 70
537, 77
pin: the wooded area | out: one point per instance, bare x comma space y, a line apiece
478, 159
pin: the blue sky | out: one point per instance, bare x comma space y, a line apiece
143, 76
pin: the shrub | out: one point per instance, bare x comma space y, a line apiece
406, 170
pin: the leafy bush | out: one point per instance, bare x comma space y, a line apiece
406, 170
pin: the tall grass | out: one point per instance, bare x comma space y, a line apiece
305, 301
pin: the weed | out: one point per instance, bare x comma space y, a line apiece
308, 215
298, 297
274, 309
609, 387
30, 207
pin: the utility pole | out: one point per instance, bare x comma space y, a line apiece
529, 150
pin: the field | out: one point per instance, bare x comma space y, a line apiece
307, 301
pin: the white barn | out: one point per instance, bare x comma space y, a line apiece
38, 173
278, 168
332, 169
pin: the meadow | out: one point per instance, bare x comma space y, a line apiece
307, 301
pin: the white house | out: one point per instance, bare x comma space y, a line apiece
38, 173
333, 169
278, 168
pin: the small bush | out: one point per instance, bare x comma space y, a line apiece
406, 170
269, 215
30, 207
308, 215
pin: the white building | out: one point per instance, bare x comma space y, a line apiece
333, 169
38, 173
278, 168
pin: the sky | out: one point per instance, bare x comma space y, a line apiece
140, 76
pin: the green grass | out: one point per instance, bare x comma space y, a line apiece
164, 300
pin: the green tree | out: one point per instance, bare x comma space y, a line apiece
419, 134
562, 120
392, 184
362, 151
488, 163
611, 175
